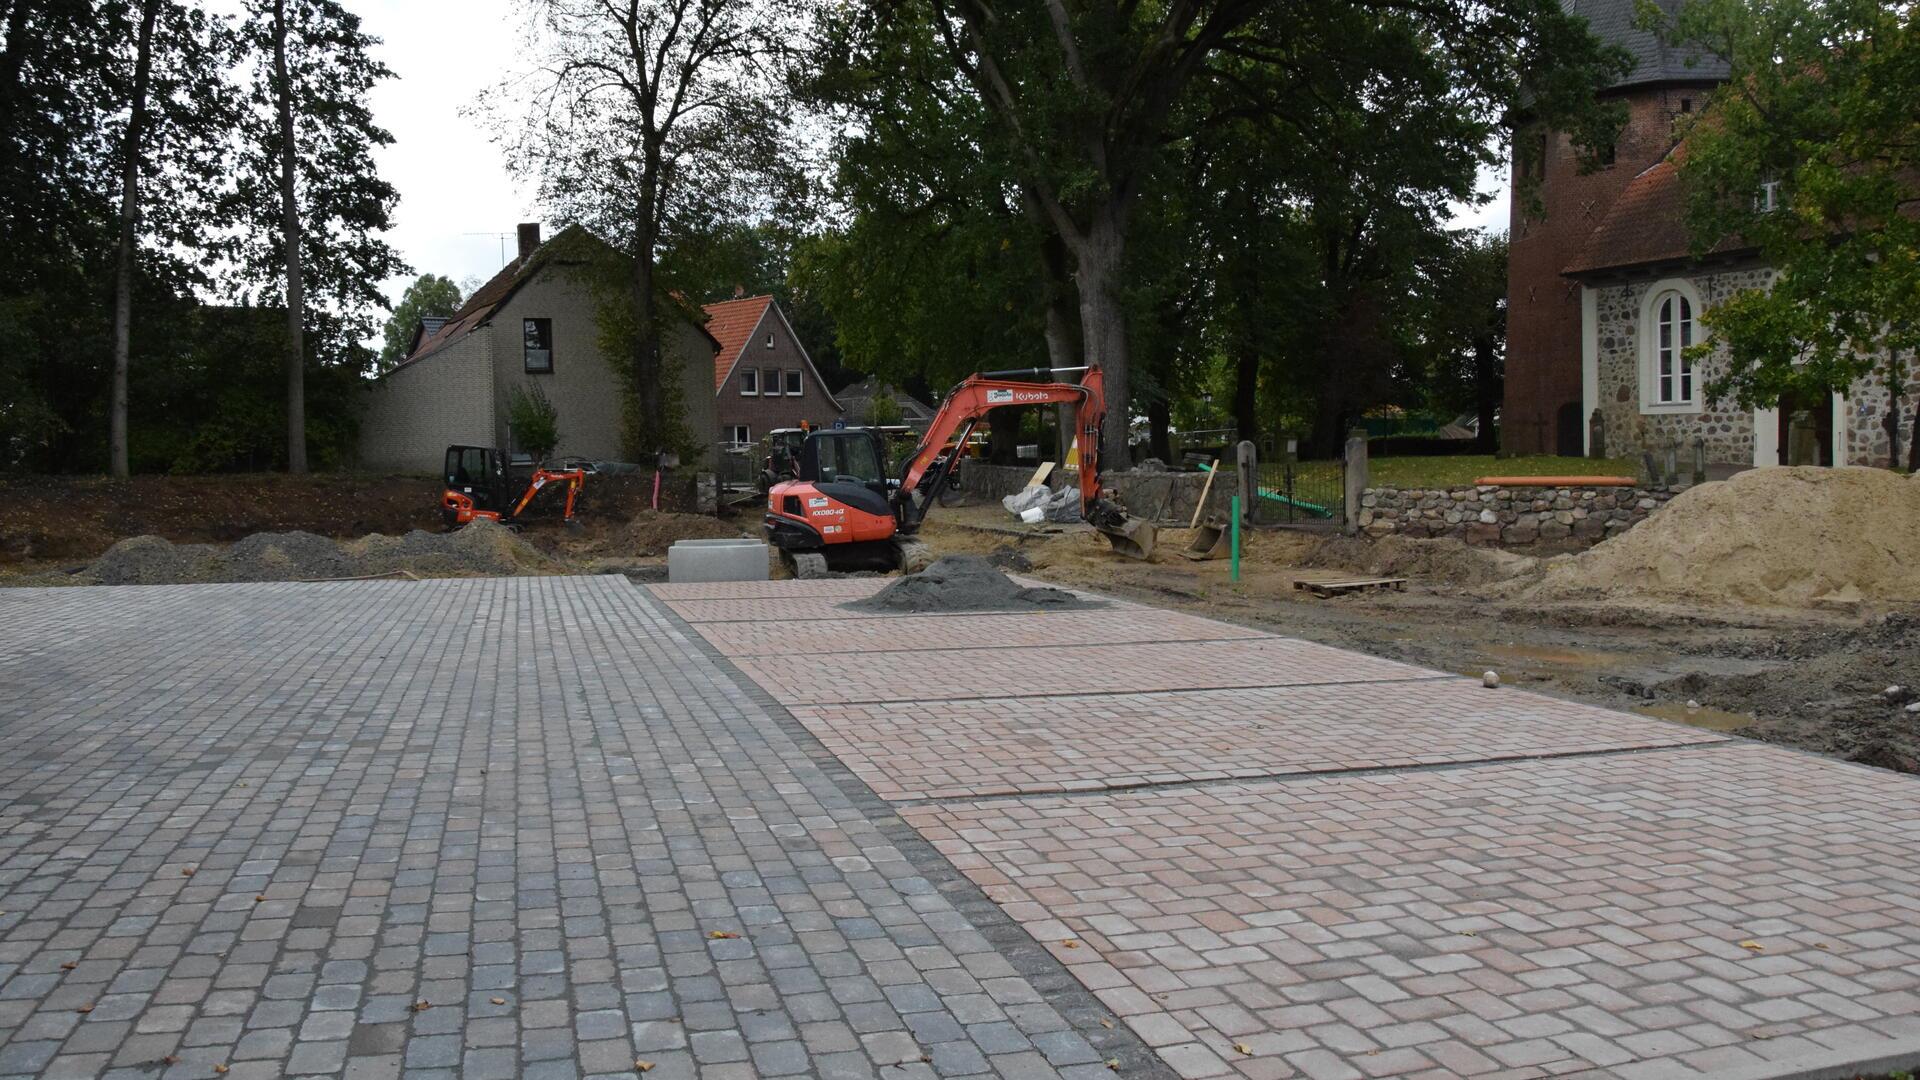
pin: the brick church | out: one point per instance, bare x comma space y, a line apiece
1604, 295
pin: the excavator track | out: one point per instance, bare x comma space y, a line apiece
913, 556
808, 565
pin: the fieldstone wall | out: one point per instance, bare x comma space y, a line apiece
1726, 431
1560, 518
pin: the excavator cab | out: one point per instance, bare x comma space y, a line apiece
477, 475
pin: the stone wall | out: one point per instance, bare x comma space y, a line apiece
1521, 517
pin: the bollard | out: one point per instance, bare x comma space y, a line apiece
1236, 538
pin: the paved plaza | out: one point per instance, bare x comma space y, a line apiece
573, 827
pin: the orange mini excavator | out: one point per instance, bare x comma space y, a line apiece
479, 485
842, 511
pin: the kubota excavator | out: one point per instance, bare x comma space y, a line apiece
842, 511
481, 485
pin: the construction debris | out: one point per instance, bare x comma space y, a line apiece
964, 583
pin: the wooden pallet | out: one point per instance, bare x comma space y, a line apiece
1332, 583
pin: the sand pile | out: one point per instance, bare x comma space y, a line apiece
964, 583
1438, 559
482, 548
1783, 536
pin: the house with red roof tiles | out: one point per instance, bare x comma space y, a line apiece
535, 323
1605, 293
762, 377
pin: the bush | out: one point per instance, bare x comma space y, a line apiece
535, 423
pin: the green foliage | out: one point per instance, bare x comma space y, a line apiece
429, 295
882, 410
1823, 110
608, 277
343, 203
534, 421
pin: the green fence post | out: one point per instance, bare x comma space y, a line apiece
1236, 538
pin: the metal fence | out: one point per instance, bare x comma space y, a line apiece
1301, 492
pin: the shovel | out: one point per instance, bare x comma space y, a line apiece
1210, 541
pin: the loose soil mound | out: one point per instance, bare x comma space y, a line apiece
1785, 536
480, 549
1441, 560
651, 533
964, 583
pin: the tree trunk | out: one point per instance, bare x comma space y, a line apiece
1486, 394
296, 361
1062, 336
650, 427
1913, 444
1003, 436
1103, 332
1896, 378
129, 215
1160, 428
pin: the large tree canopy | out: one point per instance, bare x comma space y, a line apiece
1811, 153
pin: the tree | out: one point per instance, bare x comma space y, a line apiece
534, 421
429, 295
177, 111
1809, 154
648, 120
1461, 306
1084, 99
309, 202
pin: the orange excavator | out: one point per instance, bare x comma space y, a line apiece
480, 484
842, 511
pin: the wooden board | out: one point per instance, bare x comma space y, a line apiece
1040, 474
1554, 481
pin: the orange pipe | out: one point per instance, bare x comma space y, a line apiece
1555, 481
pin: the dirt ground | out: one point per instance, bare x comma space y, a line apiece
1814, 679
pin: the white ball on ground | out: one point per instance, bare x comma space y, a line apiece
1490, 680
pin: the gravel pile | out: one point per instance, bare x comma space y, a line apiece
480, 549
964, 583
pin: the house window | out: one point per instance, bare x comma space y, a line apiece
769, 339
749, 382
537, 345
1668, 381
770, 378
793, 383
740, 435
1767, 199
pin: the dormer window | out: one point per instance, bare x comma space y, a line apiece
1768, 198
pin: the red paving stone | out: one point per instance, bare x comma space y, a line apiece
917, 750
937, 675
1000, 631
1692, 910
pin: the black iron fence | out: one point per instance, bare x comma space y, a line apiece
1291, 492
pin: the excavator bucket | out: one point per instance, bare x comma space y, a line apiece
1210, 541
1132, 537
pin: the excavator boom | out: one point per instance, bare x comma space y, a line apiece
968, 405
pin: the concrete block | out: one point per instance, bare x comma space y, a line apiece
717, 560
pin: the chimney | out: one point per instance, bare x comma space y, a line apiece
529, 238
430, 325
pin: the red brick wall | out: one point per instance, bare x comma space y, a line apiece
1543, 308
764, 412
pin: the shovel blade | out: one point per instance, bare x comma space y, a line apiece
1133, 537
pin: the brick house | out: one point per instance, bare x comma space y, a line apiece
535, 322
1543, 412
762, 376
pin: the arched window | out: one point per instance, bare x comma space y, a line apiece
1673, 332
1668, 326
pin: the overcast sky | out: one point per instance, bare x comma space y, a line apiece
456, 197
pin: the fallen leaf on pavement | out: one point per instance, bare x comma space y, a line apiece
643, 1065
1753, 946
722, 935
1243, 1048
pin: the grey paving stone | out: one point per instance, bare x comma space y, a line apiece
430, 818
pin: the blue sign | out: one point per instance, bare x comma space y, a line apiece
839, 422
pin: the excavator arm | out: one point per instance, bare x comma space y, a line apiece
968, 405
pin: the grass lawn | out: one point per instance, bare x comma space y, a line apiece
1453, 471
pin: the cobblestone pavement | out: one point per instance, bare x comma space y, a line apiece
1275, 860
503, 828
